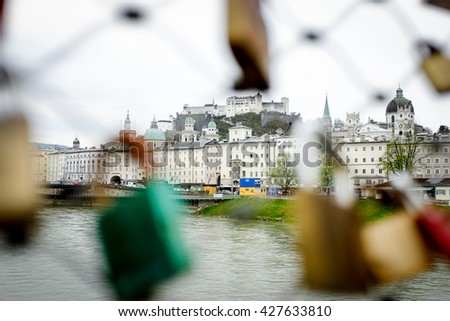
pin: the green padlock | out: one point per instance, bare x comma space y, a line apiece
142, 242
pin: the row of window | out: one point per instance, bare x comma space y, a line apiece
442, 192
436, 160
364, 160
364, 171
369, 181
437, 171
364, 148
436, 149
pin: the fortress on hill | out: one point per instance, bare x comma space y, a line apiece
240, 105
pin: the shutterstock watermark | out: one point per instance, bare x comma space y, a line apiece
217, 154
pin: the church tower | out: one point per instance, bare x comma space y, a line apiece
400, 115
76, 143
127, 124
127, 134
326, 118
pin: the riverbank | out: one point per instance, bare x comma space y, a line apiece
281, 210
252, 208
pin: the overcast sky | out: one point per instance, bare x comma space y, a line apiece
80, 67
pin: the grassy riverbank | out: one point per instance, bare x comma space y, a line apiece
281, 209
252, 208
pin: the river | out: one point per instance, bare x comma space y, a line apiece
231, 260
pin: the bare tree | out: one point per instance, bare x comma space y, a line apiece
401, 155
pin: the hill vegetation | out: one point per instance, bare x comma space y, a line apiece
252, 120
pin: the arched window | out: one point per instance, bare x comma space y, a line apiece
392, 118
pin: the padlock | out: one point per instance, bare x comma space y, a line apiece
435, 228
431, 222
437, 68
445, 4
142, 242
247, 38
18, 198
394, 249
329, 243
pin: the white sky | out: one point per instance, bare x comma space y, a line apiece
179, 55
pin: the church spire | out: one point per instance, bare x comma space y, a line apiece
326, 110
127, 121
399, 92
154, 123
326, 118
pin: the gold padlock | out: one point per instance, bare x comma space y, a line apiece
437, 69
18, 200
329, 243
394, 249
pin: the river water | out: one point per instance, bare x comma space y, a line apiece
231, 260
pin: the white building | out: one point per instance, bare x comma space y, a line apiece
165, 125
363, 160
240, 105
239, 133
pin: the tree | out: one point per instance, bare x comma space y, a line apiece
274, 124
339, 123
443, 129
252, 120
401, 155
327, 175
284, 174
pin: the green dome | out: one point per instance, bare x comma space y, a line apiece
189, 120
212, 123
154, 134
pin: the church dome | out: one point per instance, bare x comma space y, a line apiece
212, 124
154, 133
399, 101
189, 120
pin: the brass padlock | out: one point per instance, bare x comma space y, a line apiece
437, 68
329, 243
394, 249
247, 38
18, 199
